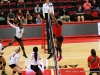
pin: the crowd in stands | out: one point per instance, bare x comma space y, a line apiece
28, 18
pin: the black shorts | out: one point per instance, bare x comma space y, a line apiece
0, 56
35, 68
46, 16
97, 70
18, 39
12, 66
54, 36
60, 39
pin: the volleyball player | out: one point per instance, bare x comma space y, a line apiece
94, 63
58, 34
18, 37
2, 60
54, 32
13, 63
35, 58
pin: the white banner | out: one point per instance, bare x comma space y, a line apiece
99, 28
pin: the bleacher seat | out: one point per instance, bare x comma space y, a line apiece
29, 6
13, 6
72, 15
88, 15
5, 8
21, 6
95, 14
36, 2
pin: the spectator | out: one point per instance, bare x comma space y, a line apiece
94, 4
15, 20
64, 12
80, 14
2, 19
13, 0
94, 63
37, 9
11, 16
23, 20
38, 19
28, 15
30, 21
7, 1
65, 19
20, 14
87, 5
20, 0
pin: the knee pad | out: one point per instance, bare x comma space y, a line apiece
19, 73
0, 62
22, 48
4, 64
14, 72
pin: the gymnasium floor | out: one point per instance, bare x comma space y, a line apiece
75, 51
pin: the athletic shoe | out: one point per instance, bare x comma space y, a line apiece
59, 58
4, 47
25, 55
50, 56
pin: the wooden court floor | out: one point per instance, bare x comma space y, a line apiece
73, 53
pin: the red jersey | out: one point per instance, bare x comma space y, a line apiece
54, 29
95, 64
58, 31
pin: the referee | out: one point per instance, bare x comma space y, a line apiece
48, 6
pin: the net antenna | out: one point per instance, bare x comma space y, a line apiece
52, 47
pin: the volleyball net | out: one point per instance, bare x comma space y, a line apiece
53, 49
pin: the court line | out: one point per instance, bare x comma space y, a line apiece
53, 59
46, 63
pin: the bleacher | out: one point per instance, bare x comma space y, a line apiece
71, 6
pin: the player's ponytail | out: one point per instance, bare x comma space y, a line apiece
35, 50
93, 53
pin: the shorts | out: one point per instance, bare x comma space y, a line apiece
54, 36
95, 70
0, 56
12, 66
60, 39
46, 16
35, 68
18, 39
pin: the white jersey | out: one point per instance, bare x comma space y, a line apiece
33, 62
1, 48
19, 32
14, 57
48, 7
